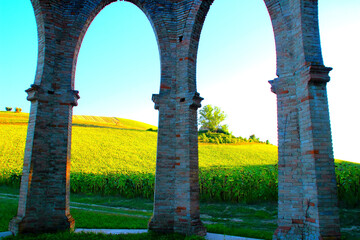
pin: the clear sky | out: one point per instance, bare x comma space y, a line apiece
119, 69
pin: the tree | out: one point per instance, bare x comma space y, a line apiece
253, 138
211, 117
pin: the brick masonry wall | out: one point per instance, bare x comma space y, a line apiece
307, 187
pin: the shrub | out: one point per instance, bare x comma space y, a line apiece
348, 183
18, 110
218, 137
253, 138
223, 129
8, 109
151, 130
247, 184
224, 137
204, 138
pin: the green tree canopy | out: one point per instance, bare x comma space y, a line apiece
211, 118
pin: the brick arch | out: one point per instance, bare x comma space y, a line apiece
41, 38
306, 47
98, 6
295, 42
307, 186
305, 154
83, 24
61, 29
156, 21
282, 22
84, 14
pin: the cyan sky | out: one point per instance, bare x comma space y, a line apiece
118, 66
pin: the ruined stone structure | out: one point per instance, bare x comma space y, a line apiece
307, 187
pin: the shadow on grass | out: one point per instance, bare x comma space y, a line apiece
100, 236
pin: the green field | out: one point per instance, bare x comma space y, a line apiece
117, 156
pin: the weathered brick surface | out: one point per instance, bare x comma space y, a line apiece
307, 187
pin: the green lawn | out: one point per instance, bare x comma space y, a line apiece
99, 236
111, 212
115, 212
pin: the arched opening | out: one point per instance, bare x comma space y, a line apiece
298, 84
18, 58
339, 42
118, 69
236, 58
303, 126
119, 50
18, 47
140, 71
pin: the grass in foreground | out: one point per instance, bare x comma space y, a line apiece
231, 219
114, 212
99, 236
92, 219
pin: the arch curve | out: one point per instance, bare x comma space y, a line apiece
305, 149
299, 64
86, 15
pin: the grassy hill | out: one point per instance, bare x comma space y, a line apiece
114, 122
117, 156
13, 118
109, 144
79, 120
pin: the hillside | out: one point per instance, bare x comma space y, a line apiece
86, 121
80, 120
110, 144
118, 156
13, 118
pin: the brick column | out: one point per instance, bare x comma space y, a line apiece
290, 195
163, 213
44, 191
307, 184
319, 180
187, 209
176, 206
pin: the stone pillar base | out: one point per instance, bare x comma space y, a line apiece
301, 232
195, 227
34, 225
161, 226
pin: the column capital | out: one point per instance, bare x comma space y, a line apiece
317, 74
196, 101
72, 98
156, 99
34, 92
38, 93
273, 84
